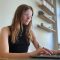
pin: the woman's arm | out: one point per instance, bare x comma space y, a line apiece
34, 41
36, 44
4, 46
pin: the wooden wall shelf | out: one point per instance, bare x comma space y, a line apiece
44, 8
46, 18
49, 3
46, 29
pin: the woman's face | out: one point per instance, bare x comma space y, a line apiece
26, 17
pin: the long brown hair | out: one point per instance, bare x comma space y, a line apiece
17, 25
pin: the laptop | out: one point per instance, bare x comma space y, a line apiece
47, 56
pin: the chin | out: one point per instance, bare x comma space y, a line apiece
26, 23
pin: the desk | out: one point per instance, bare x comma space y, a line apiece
44, 57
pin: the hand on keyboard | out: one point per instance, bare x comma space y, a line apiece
45, 51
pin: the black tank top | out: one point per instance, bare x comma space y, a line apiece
21, 45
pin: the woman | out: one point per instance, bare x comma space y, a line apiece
15, 39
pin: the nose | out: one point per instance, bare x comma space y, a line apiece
28, 17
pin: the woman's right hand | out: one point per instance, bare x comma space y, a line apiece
44, 51
41, 51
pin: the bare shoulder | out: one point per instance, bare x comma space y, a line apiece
32, 32
5, 30
4, 35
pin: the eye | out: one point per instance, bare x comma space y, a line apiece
28, 15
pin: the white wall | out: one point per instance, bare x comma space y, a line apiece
7, 9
